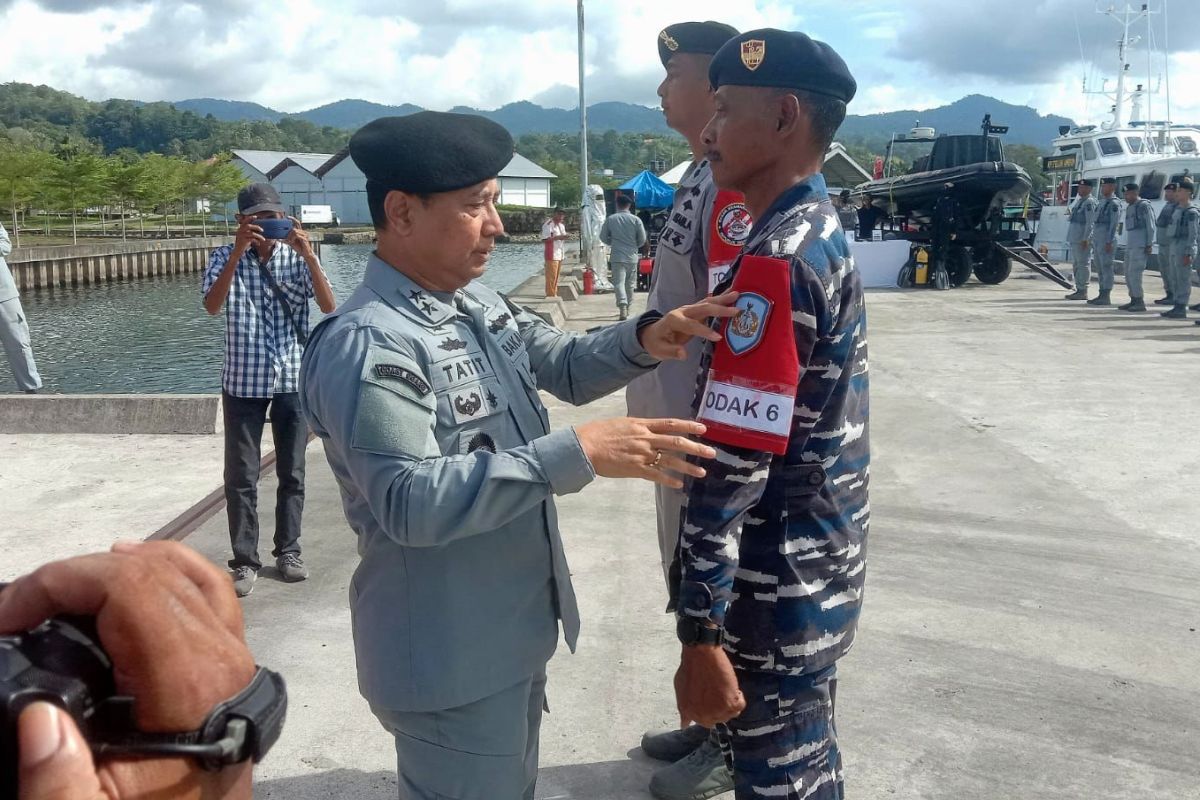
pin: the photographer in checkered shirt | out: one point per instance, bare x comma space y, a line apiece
264, 285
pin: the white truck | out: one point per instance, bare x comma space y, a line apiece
316, 215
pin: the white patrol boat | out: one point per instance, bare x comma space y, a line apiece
1128, 147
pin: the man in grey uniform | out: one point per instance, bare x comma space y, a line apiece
423, 387
1104, 240
1185, 227
1079, 234
14, 329
1163, 224
681, 276
626, 235
1139, 241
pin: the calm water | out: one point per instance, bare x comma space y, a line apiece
153, 335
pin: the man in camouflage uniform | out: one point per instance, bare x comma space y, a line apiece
1139, 241
1079, 235
1163, 223
1185, 232
772, 548
1104, 240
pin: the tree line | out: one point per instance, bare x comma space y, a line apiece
123, 185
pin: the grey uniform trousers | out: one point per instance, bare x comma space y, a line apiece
669, 503
624, 279
1081, 263
1135, 267
1104, 265
1165, 268
1181, 279
14, 335
484, 750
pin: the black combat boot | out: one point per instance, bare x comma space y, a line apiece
1101, 299
1134, 304
1164, 301
1195, 307
1078, 294
1177, 312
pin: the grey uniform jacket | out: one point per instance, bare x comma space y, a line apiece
1083, 219
8, 286
1185, 231
1139, 225
1108, 216
1164, 223
625, 234
680, 278
428, 409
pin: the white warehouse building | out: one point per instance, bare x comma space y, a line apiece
335, 181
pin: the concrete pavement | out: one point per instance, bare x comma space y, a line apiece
1030, 627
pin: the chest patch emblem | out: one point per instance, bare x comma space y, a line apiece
499, 323
745, 331
733, 224
452, 345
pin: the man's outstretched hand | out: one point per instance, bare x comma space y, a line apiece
665, 339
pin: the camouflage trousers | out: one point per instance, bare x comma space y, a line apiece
784, 745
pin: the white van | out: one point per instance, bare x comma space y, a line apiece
316, 215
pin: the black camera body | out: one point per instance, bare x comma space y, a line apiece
61, 662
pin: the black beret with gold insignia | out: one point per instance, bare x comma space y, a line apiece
1186, 184
782, 60
704, 38
431, 151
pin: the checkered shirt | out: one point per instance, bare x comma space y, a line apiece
262, 354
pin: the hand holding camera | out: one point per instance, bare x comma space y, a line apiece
172, 638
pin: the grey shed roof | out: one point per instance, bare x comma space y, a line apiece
266, 160
522, 167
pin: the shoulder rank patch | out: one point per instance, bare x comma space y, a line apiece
499, 323
745, 331
399, 373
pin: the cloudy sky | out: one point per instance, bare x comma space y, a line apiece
296, 54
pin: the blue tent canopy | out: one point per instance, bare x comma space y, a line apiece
649, 191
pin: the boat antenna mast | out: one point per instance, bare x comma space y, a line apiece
1126, 17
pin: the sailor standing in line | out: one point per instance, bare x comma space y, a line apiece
1104, 239
1139, 241
423, 388
1185, 228
1079, 234
1182, 243
1163, 223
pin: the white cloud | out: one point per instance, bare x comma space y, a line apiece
298, 54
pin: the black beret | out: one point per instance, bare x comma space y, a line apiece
704, 38
1186, 183
1171, 185
1108, 181
1131, 187
783, 60
431, 151
1086, 182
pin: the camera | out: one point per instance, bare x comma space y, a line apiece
60, 662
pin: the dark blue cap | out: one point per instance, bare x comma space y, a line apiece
1132, 187
782, 60
431, 151
1088, 182
704, 38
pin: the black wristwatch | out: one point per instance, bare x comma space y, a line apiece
242, 728
693, 631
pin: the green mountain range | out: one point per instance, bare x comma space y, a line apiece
961, 116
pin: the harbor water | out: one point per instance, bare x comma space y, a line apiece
152, 335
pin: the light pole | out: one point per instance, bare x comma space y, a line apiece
584, 242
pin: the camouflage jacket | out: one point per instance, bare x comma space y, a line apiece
773, 547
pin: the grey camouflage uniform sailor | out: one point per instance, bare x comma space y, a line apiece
1104, 240
680, 277
1163, 225
1185, 230
1079, 235
1139, 238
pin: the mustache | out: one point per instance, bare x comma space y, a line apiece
712, 155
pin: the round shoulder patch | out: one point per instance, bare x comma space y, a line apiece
733, 224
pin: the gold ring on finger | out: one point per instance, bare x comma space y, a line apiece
657, 459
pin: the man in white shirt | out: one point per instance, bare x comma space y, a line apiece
554, 232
